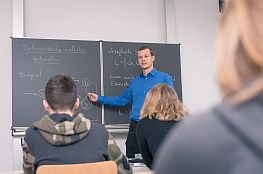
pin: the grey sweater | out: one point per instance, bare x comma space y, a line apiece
228, 139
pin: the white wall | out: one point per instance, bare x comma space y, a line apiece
6, 148
196, 25
116, 20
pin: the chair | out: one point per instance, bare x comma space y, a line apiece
105, 167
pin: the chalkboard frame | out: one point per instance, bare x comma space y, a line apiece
101, 45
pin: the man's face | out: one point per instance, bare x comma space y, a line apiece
145, 59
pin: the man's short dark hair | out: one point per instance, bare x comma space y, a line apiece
146, 47
61, 92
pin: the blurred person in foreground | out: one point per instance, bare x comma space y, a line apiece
228, 138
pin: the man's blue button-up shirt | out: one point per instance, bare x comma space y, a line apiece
136, 92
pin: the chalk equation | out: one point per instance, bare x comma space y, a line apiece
124, 62
116, 83
119, 76
120, 80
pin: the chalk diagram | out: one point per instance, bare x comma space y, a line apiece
85, 103
40, 93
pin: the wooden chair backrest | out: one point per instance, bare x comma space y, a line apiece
105, 167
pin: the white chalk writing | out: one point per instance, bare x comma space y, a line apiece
45, 60
115, 76
53, 49
120, 52
125, 62
114, 83
30, 76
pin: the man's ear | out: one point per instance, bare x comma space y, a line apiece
153, 57
46, 105
76, 104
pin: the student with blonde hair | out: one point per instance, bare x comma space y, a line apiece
161, 110
228, 138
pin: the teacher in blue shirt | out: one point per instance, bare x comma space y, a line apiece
135, 93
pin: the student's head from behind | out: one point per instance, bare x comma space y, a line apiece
162, 103
240, 49
60, 95
145, 57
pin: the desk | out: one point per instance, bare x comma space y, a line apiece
141, 169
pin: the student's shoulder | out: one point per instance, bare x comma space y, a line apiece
196, 125
144, 122
30, 129
31, 132
98, 126
199, 119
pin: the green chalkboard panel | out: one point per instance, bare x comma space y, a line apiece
34, 61
120, 66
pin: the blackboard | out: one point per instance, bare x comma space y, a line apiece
34, 61
120, 66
